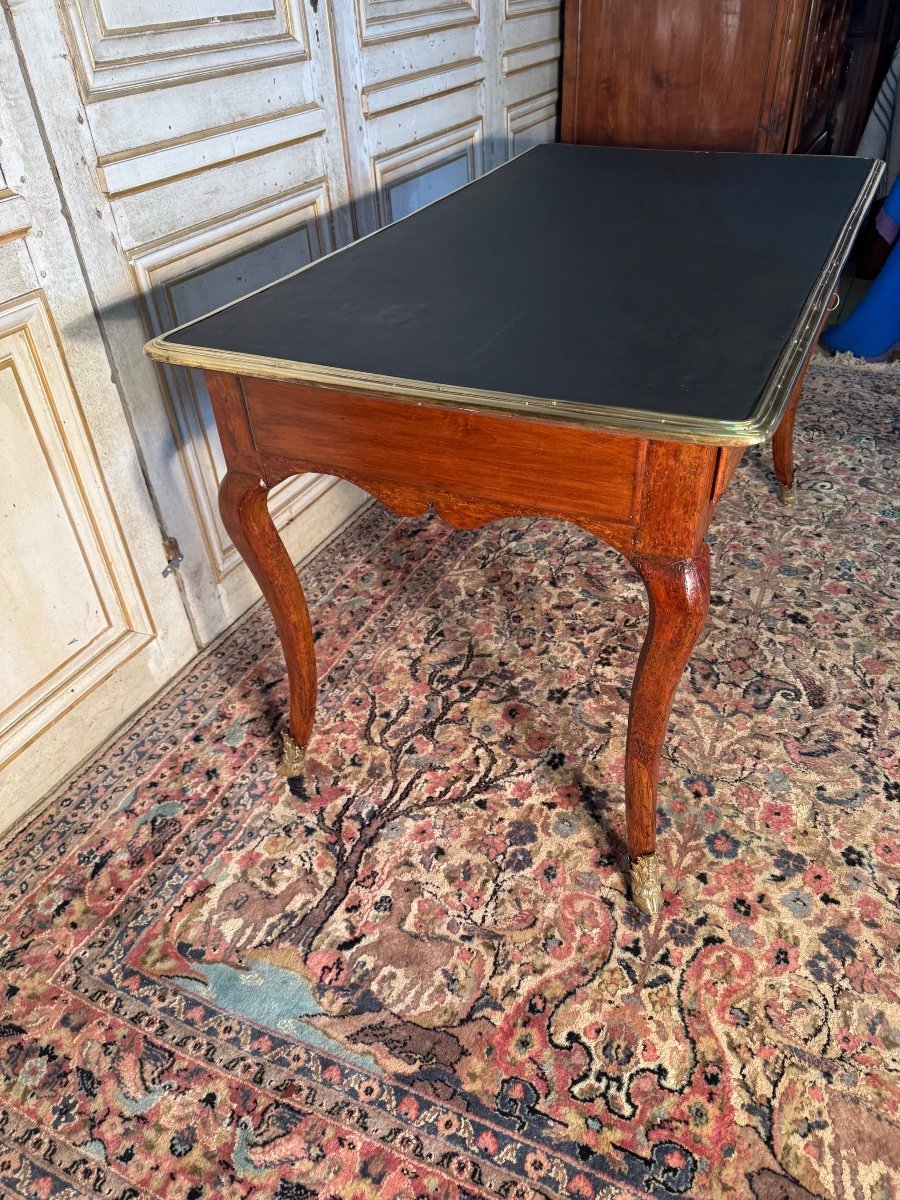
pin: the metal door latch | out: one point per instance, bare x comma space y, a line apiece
174, 557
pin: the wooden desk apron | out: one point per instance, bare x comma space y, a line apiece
432, 365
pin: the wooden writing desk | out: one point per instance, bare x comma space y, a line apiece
586, 333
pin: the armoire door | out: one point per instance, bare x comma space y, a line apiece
435, 93
89, 626
200, 152
211, 146
682, 74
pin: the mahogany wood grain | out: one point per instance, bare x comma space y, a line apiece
783, 441
232, 422
727, 464
785, 62
678, 592
708, 74
243, 506
245, 514
783, 438
688, 74
458, 511
821, 64
675, 504
557, 469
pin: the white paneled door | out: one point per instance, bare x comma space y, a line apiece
436, 93
89, 627
199, 149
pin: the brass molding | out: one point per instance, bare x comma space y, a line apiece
645, 887
786, 494
293, 758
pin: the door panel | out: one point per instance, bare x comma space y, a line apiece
436, 93
121, 46
691, 74
530, 49
199, 190
411, 176
73, 607
89, 628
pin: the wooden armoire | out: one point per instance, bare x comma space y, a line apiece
757, 75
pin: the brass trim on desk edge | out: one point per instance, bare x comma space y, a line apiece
771, 405
756, 428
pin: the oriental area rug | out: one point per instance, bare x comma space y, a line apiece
413, 971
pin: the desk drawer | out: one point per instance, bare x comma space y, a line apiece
528, 465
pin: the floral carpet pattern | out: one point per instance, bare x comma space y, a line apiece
413, 971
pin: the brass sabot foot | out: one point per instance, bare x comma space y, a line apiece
645, 889
293, 758
786, 494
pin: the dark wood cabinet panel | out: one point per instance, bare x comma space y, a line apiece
685, 74
873, 33
756, 75
819, 75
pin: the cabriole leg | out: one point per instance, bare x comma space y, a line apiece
245, 514
678, 592
783, 450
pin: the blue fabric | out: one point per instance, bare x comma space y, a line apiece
873, 328
892, 203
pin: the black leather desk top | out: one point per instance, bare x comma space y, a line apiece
661, 282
